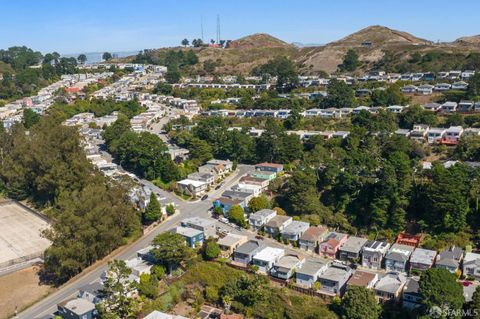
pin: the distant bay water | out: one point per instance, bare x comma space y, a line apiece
95, 57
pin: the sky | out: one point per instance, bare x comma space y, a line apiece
80, 26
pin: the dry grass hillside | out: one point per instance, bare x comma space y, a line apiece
371, 43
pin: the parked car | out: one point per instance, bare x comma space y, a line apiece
204, 197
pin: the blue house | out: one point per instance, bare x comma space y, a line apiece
193, 237
226, 203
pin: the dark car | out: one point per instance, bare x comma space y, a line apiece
204, 197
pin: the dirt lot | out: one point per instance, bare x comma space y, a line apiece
20, 289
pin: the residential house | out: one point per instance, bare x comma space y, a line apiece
422, 259
207, 178
471, 265
449, 107
312, 237
263, 183
308, 274
255, 190
397, 257
244, 197
92, 292
162, 315
471, 131
390, 286
442, 87
286, 266
226, 203
373, 253
332, 243
452, 135
266, 258
77, 308
341, 134
435, 135
432, 106
402, 132
409, 89
460, 85
259, 219
207, 226
395, 108
363, 278
294, 230
419, 132
193, 237
227, 165
334, 280
425, 89
275, 225
408, 239
411, 297
265, 175
269, 167
449, 259
245, 252
192, 187
465, 106
351, 249
230, 243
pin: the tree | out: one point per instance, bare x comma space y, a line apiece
153, 211
359, 303
258, 203
191, 58
82, 58
474, 305
209, 66
30, 118
148, 286
170, 209
107, 56
236, 215
170, 249
340, 94
350, 61
440, 289
473, 89
173, 74
211, 250
185, 42
118, 291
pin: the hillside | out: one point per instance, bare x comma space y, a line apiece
259, 40
371, 43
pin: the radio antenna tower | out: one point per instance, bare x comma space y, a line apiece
201, 26
218, 29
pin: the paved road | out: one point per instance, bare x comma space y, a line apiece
187, 209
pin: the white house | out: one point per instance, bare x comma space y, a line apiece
267, 257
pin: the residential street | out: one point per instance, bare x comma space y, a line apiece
187, 209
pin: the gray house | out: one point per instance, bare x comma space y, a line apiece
77, 308
334, 279
91, 292
286, 266
390, 286
244, 253
397, 257
411, 298
311, 269
207, 226
275, 225
260, 218
373, 252
450, 259
312, 237
471, 265
351, 249
293, 231
422, 259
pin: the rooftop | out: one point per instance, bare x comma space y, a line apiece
278, 221
314, 233
231, 240
312, 266
269, 254
289, 261
353, 244
336, 272
362, 278
198, 221
78, 306
391, 282
296, 227
249, 247
192, 182
187, 231
262, 213
424, 256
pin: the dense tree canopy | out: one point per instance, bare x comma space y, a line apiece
359, 303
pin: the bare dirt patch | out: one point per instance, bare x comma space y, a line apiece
20, 289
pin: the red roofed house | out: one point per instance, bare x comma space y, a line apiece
72, 90
407, 239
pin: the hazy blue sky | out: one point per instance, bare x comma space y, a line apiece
98, 25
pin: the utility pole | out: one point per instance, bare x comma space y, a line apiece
201, 26
218, 29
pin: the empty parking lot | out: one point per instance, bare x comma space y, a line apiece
20, 234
